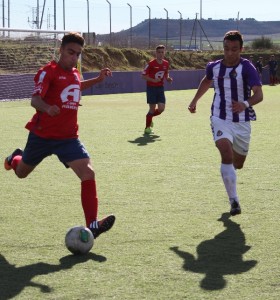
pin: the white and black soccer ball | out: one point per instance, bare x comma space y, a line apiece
79, 240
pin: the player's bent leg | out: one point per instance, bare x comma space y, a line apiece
161, 108
9, 159
23, 170
15, 162
225, 148
82, 168
152, 108
238, 160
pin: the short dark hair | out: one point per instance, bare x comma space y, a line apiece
234, 35
73, 37
160, 47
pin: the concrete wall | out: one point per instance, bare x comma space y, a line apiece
131, 82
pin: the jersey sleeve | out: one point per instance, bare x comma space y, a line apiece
146, 70
42, 82
252, 75
209, 71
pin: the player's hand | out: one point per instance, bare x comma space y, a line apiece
106, 72
53, 110
192, 107
237, 107
169, 79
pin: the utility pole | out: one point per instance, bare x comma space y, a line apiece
88, 22
63, 14
201, 46
130, 7
9, 14
37, 14
3, 14
166, 40
42, 16
196, 21
237, 21
180, 30
54, 15
149, 27
110, 17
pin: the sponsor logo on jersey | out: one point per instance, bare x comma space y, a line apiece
71, 94
219, 133
233, 74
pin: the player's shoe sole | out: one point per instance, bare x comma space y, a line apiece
9, 159
102, 225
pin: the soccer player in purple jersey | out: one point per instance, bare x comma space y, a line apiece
237, 88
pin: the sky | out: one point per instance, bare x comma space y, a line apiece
23, 12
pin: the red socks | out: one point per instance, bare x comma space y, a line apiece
149, 117
89, 200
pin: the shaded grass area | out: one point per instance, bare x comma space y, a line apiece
173, 238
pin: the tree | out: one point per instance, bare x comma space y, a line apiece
262, 43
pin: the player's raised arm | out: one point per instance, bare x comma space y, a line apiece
85, 84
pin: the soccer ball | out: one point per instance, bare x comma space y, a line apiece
79, 240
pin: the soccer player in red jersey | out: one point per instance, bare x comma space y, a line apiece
54, 128
154, 73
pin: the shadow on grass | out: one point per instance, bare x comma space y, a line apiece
219, 256
14, 279
145, 139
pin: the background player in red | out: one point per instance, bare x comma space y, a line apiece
154, 73
54, 128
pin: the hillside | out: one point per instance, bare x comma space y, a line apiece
211, 31
135, 59
20, 58
17, 57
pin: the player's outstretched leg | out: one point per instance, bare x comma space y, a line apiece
101, 226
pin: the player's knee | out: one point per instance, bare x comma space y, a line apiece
87, 175
21, 175
238, 165
161, 110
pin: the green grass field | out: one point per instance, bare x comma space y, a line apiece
173, 238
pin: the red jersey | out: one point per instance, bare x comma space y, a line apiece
155, 70
62, 88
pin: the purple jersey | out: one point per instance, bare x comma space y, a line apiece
232, 84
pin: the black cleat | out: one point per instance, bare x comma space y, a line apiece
235, 208
98, 227
9, 159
